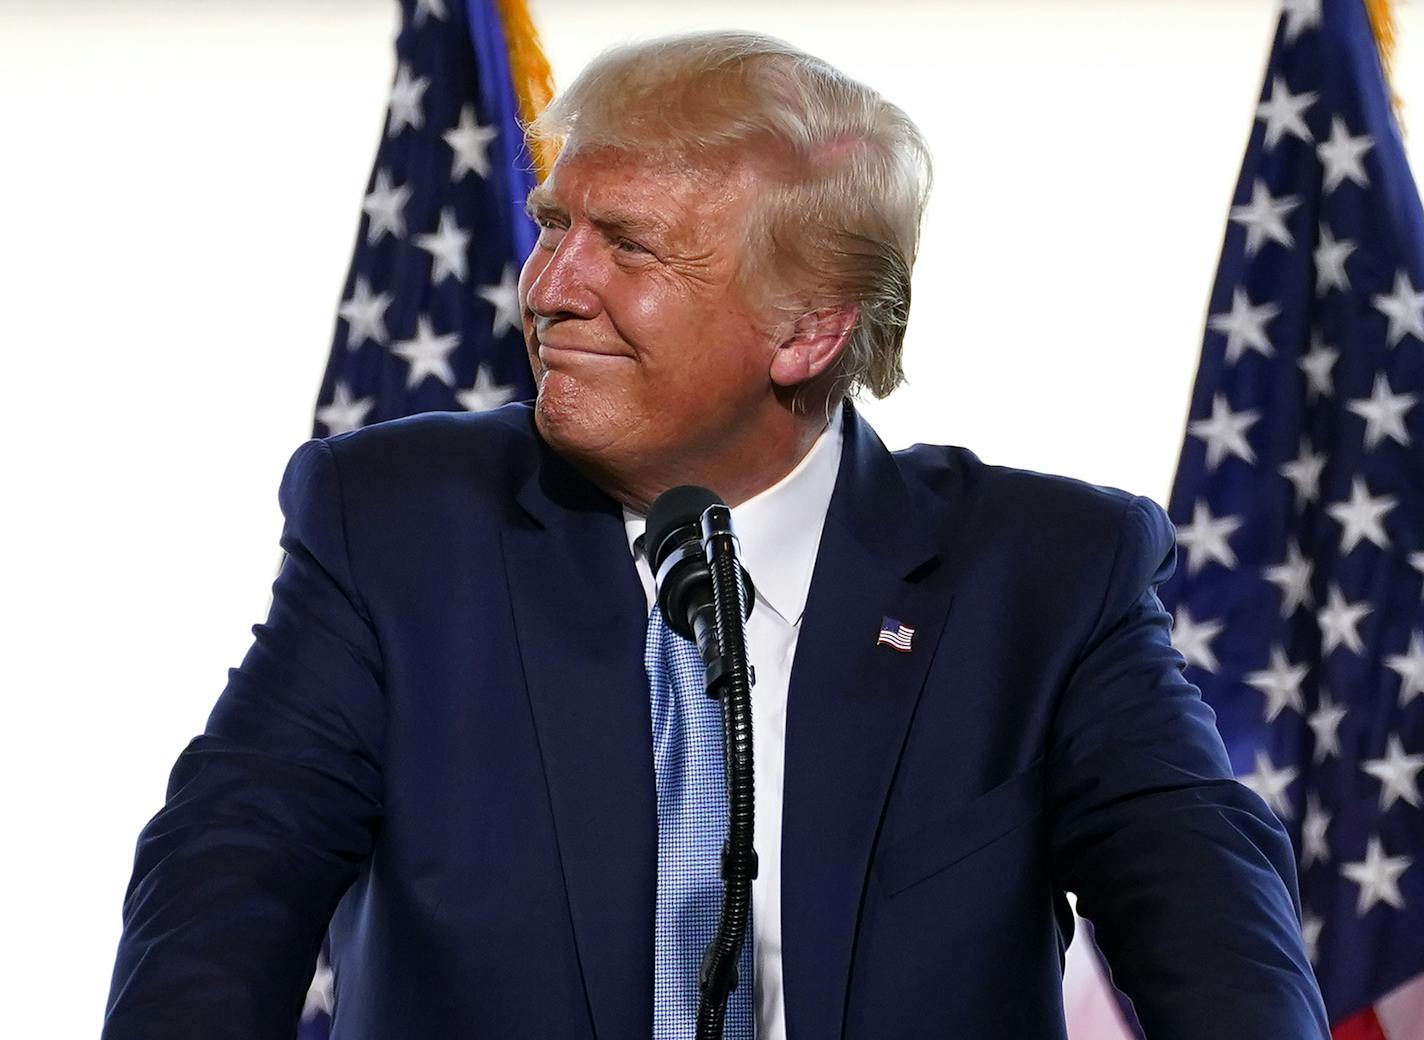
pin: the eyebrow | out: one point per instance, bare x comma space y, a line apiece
542, 203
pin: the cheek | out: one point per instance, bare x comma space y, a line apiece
712, 363
674, 332
649, 309
640, 315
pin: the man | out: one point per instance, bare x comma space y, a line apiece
967, 703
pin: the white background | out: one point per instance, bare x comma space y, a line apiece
179, 192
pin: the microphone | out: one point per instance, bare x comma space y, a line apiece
680, 546
706, 594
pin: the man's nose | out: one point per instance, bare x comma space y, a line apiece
566, 286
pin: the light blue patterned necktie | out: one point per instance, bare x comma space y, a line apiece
692, 825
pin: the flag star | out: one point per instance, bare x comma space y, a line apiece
1264, 218
1271, 783
386, 208
1300, 15
1397, 774
1410, 668
1330, 257
428, 354
406, 97
1204, 539
345, 413
1280, 683
1416, 560
1284, 113
1325, 721
470, 141
1404, 308
321, 993
1245, 326
1311, 926
1304, 473
365, 315
1383, 412
504, 298
485, 393
1224, 432
1193, 638
1343, 155
430, 7
1378, 877
1313, 846
1292, 576
447, 245
1340, 621
1362, 516
1316, 365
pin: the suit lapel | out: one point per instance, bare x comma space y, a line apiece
580, 618
884, 552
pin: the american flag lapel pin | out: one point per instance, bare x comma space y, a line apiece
895, 634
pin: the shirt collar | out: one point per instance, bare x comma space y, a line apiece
780, 528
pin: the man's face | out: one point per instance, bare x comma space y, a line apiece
647, 359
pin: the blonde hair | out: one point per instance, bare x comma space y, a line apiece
852, 171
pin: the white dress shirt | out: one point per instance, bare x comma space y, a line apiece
780, 531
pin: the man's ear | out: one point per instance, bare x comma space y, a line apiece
815, 341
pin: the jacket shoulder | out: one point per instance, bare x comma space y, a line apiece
425, 433
935, 467
490, 450
1024, 509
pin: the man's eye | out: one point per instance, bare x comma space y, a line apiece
549, 230
627, 245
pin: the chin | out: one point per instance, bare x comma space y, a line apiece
575, 420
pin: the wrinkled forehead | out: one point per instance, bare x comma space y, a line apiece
679, 191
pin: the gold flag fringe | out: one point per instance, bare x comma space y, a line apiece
533, 78
1386, 29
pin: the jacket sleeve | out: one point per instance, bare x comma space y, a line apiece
270, 812
1187, 876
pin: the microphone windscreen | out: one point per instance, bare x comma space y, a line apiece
675, 508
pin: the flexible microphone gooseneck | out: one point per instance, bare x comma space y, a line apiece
706, 595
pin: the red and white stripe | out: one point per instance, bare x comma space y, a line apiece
1093, 1011
900, 638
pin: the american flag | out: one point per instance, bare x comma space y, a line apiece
1299, 505
429, 320
895, 634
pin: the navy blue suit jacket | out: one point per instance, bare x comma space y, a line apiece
440, 744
